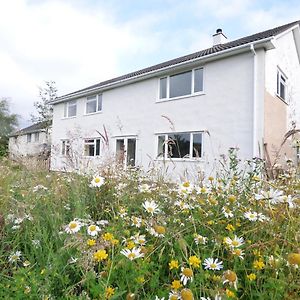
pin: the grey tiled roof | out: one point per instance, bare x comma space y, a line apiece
32, 128
217, 48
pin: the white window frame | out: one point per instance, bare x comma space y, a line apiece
67, 109
92, 98
65, 147
281, 79
183, 96
87, 142
191, 157
29, 138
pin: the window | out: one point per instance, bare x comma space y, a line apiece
180, 145
92, 147
281, 85
36, 136
28, 137
182, 84
70, 109
65, 147
93, 104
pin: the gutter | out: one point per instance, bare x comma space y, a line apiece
150, 74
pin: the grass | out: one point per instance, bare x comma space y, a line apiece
123, 235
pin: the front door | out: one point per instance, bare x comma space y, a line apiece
126, 151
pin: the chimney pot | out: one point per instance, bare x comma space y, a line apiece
219, 30
219, 37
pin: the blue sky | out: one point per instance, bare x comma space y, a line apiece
78, 43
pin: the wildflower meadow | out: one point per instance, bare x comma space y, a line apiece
125, 234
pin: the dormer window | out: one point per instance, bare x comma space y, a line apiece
281, 85
93, 104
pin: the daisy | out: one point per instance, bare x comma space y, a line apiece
273, 196
230, 277
139, 239
93, 230
251, 216
211, 264
186, 275
227, 212
173, 295
261, 217
238, 252
182, 205
157, 230
73, 227
199, 239
151, 207
235, 242
15, 257
97, 181
186, 188
132, 254
144, 188
136, 221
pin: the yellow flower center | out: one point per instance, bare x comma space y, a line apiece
173, 297
213, 265
230, 276
231, 198
186, 294
294, 258
73, 225
131, 255
160, 229
187, 272
186, 184
237, 252
150, 209
92, 228
97, 179
235, 243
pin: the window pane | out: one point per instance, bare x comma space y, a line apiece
161, 146
198, 80
72, 109
197, 144
36, 137
282, 90
29, 138
179, 145
99, 102
91, 106
89, 150
120, 150
181, 84
131, 152
163, 88
98, 147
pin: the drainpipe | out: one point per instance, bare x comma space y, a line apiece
254, 137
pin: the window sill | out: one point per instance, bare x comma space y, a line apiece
280, 98
93, 113
198, 160
180, 97
67, 118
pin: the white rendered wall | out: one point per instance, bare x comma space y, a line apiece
224, 111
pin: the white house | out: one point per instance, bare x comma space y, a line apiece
31, 141
184, 113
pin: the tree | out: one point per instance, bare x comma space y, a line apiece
43, 107
8, 122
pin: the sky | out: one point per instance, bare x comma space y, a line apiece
78, 43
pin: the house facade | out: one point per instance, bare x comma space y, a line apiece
181, 115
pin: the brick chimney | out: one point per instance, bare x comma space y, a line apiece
219, 37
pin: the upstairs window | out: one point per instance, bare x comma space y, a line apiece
185, 145
92, 147
281, 85
182, 84
70, 109
93, 104
28, 137
65, 147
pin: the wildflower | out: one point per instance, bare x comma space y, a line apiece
182, 205
290, 201
273, 262
26, 263
109, 292
251, 216
97, 181
186, 294
160, 230
173, 264
230, 294
273, 196
230, 227
139, 239
144, 188
294, 259
174, 295
210, 178
140, 279
15, 257
176, 285
258, 264
227, 212
211, 264
73, 227
137, 222
230, 277
93, 230
72, 260
132, 254
39, 187
130, 245
122, 212
231, 198
194, 261
251, 276
217, 297
91, 242
238, 252
151, 207
186, 275
186, 187
108, 236
235, 242
100, 255
199, 239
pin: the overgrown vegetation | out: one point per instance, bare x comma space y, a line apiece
124, 235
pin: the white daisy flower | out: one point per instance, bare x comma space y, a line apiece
238, 252
235, 242
227, 212
18, 221
174, 295
186, 275
290, 201
73, 227
199, 239
212, 264
273, 196
97, 181
132, 254
15, 257
186, 188
93, 230
231, 278
261, 217
139, 239
251, 216
144, 188
102, 222
182, 205
151, 207
136, 221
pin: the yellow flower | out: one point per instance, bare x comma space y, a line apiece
251, 277
230, 227
210, 178
231, 198
216, 278
115, 242
195, 261
186, 294
176, 285
258, 264
108, 236
210, 222
130, 245
173, 264
140, 279
109, 292
91, 242
160, 229
230, 293
100, 255
294, 258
